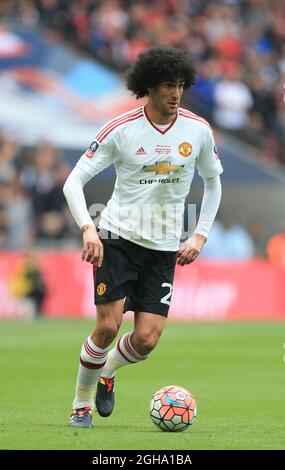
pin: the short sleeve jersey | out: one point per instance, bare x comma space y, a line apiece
154, 171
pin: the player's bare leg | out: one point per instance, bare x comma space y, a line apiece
131, 348
147, 331
92, 359
108, 321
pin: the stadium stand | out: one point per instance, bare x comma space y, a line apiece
238, 44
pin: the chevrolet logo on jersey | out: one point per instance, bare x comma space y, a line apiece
162, 168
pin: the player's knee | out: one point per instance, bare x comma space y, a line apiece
145, 342
107, 331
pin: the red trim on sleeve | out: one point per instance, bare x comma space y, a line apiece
116, 122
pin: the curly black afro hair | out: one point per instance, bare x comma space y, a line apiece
157, 65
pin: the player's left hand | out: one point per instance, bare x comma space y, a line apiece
190, 249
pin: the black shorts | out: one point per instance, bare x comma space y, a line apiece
142, 276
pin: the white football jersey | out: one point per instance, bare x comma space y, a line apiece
154, 169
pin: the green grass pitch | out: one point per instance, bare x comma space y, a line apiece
235, 371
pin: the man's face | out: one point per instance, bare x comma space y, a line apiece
166, 97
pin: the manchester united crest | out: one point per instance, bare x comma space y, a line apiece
101, 288
185, 149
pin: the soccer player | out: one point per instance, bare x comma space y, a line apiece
155, 149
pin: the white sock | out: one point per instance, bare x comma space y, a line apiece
121, 355
92, 360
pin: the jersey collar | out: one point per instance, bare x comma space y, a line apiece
157, 128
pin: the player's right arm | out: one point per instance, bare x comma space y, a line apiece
93, 161
93, 251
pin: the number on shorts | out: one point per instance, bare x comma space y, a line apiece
165, 299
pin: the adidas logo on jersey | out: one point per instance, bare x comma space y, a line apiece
141, 151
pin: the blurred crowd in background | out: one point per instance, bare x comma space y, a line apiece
32, 204
239, 47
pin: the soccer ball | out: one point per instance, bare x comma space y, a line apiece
173, 408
